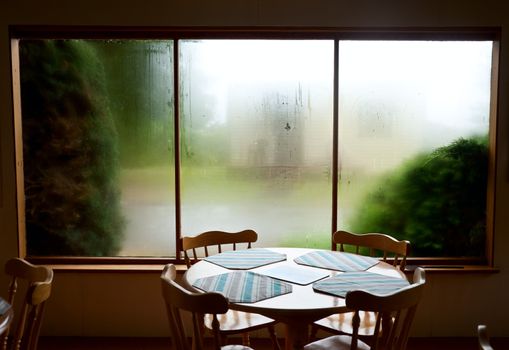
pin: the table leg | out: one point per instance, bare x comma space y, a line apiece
296, 335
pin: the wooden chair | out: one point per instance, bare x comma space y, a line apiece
375, 244
484, 339
233, 322
378, 244
215, 239
395, 311
179, 299
30, 287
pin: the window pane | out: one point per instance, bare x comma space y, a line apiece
414, 120
257, 138
98, 147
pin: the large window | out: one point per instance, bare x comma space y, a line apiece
130, 144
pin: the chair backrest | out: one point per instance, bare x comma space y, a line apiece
484, 339
376, 243
179, 299
395, 313
29, 289
217, 239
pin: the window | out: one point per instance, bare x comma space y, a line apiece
413, 135
99, 171
257, 138
293, 138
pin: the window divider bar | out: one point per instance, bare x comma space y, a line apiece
176, 140
335, 143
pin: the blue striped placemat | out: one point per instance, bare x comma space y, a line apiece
339, 261
4, 307
243, 286
246, 258
371, 282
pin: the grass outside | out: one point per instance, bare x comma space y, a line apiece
292, 211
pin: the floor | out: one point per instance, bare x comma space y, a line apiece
89, 343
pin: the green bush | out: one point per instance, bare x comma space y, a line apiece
437, 201
70, 151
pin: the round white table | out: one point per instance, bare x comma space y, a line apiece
297, 309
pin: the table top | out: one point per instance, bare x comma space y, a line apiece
303, 302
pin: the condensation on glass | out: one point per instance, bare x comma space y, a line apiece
107, 105
257, 138
256, 147
140, 83
399, 99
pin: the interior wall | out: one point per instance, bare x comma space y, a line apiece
129, 304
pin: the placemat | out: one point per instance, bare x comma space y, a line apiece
371, 282
339, 261
243, 286
295, 274
246, 259
4, 307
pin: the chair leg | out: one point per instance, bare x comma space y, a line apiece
224, 339
312, 333
273, 337
245, 339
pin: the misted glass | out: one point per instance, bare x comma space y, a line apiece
98, 147
414, 122
257, 138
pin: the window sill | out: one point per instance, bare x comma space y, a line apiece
181, 268
453, 269
120, 268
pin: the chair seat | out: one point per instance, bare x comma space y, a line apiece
342, 323
237, 321
336, 342
235, 347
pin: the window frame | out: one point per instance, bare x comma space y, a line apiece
17, 33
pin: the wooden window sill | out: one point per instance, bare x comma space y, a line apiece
454, 269
181, 268
121, 268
